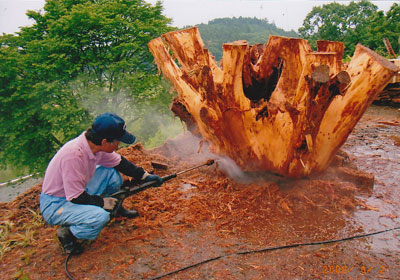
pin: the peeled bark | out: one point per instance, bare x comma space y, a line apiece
277, 107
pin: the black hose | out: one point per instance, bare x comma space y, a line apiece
251, 252
66, 267
272, 249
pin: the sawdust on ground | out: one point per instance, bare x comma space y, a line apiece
205, 214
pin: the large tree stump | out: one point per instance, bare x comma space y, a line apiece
278, 107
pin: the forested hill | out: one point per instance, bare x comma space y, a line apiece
225, 30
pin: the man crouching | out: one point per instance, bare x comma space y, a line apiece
81, 175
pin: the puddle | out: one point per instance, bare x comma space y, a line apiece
374, 148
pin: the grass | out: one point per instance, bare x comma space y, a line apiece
12, 237
21, 275
5, 241
9, 174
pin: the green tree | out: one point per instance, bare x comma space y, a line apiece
78, 53
225, 30
393, 26
337, 22
384, 26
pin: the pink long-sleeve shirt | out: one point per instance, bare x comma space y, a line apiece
73, 166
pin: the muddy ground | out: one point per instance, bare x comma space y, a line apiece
204, 215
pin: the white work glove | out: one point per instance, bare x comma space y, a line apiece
109, 203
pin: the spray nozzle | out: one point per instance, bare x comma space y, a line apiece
210, 162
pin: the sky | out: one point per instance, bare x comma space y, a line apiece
286, 14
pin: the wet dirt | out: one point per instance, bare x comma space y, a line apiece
228, 229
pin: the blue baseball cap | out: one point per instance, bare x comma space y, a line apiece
112, 127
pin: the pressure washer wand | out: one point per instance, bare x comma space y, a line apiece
208, 162
124, 193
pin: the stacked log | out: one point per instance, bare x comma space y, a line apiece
391, 93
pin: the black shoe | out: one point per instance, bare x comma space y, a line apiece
122, 212
69, 242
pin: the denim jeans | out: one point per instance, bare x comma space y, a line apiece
84, 221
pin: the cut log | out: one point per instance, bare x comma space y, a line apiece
277, 107
391, 93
